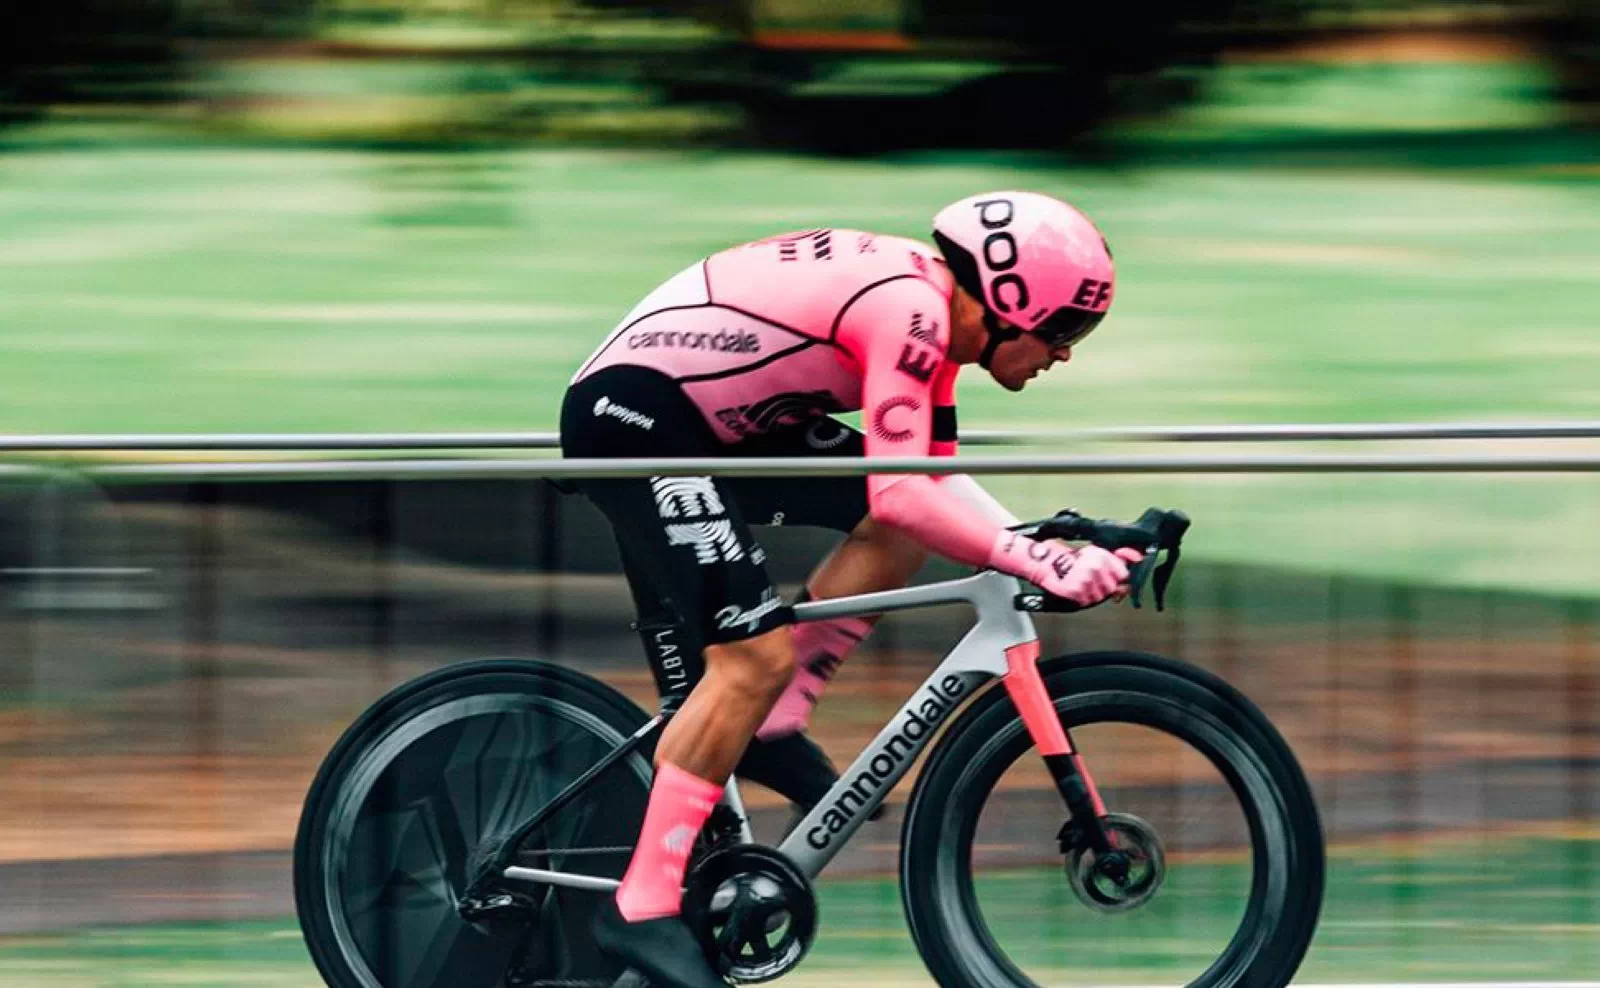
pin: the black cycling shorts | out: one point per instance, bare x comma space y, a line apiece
696, 571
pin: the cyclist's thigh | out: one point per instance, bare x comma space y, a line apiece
839, 503
687, 546
672, 646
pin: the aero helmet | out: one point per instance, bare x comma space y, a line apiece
1037, 265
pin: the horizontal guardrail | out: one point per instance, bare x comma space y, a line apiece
1355, 431
303, 442
335, 470
277, 441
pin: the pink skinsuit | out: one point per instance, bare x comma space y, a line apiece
793, 327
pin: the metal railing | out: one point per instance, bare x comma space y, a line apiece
65, 584
835, 466
401, 442
92, 480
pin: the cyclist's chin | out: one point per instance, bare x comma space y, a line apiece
1013, 380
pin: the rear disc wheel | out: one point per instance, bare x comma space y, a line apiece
424, 786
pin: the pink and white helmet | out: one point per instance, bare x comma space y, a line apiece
1034, 262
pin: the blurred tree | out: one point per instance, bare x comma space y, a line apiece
1083, 62
733, 16
1571, 36
1054, 73
248, 18
60, 51
834, 75
55, 52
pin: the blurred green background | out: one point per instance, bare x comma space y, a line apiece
407, 216
353, 215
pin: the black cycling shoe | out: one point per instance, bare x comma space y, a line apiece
793, 767
663, 949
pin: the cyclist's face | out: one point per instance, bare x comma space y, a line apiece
1018, 361
967, 332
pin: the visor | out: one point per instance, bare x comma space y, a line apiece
1067, 325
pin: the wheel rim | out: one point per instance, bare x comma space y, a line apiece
1040, 898
418, 803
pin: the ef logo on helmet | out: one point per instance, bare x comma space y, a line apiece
1092, 294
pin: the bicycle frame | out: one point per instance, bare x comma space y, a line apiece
1002, 644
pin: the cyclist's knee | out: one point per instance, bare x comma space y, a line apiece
762, 665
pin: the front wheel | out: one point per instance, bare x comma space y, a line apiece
1206, 797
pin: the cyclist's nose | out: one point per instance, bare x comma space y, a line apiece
1061, 355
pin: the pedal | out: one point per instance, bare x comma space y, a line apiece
631, 979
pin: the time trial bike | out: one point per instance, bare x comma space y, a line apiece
461, 832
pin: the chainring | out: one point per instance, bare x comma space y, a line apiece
753, 911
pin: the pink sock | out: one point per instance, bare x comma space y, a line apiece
679, 806
819, 647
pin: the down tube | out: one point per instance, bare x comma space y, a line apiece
826, 829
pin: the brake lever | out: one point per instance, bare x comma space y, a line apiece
1163, 578
1174, 525
1170, 529
1138, 575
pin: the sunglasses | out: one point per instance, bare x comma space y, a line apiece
1067, 325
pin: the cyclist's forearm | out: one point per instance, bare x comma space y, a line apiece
935, 516
974, 496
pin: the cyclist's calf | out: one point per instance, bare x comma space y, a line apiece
742, 681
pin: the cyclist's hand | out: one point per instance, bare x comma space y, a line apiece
1131, 557
1093, 576
1085, 576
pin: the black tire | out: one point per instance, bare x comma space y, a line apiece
1284, 872
424, 783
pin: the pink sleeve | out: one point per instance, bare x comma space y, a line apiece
897, 333
972, 494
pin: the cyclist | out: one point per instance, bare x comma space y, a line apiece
745, 353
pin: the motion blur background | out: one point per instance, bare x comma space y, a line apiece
419, 215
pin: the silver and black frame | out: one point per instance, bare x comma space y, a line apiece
979, 657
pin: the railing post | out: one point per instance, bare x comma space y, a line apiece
201, 674
549, 628
380, 611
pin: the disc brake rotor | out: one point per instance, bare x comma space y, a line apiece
1127, 876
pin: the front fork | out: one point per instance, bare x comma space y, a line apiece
1086, 826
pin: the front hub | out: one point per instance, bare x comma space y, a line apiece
1124, 877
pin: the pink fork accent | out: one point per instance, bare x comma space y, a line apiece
1027, 692
1033, 703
